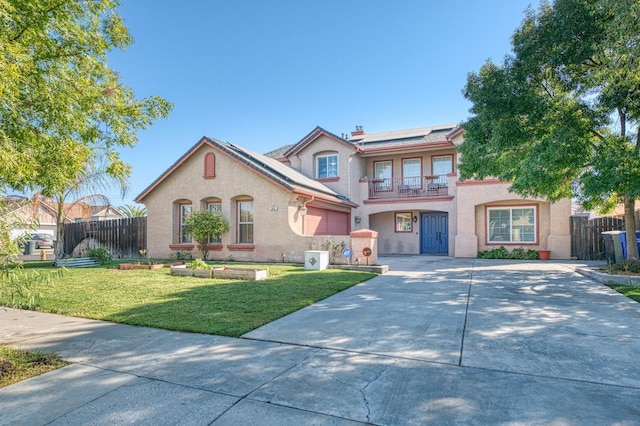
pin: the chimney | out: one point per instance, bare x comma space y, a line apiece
359, 131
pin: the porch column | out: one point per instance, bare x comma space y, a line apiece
559, 240
466, 241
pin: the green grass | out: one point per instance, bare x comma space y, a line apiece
154, 298
17, 364
631, 291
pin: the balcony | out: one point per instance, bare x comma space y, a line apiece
409, 187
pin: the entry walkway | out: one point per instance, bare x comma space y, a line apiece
434, 341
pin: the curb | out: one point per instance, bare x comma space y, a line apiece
603, 278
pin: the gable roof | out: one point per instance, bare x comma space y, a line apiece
269, 168
312, 136
278, 152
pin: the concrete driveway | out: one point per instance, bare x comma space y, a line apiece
434, 341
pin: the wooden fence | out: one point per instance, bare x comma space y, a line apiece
587, 241
122, 237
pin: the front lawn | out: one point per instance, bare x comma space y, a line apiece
154, 298
631, 291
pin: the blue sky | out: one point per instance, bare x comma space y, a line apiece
262, 74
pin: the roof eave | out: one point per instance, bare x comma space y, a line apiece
312, 136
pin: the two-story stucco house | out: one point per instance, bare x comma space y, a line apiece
402, 184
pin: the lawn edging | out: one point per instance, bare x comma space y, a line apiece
376, 269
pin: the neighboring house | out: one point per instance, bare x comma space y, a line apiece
43, 214
402, 184
26, 211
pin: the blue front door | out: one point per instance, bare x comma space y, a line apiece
434, 233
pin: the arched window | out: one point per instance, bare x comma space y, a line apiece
214, 205
244, 221
209, 165
184, 210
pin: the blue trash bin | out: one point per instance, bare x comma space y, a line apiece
623, 240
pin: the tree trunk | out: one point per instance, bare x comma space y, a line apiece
630, 227
58, 251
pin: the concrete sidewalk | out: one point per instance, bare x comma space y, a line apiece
434, 341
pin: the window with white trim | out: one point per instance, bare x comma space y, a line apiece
382, 174
412, 172
185, 211
511, 224
245, 222
215, 206
327, 166
442, 165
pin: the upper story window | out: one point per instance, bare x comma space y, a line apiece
209, 165
382, 174
327, 166
442, 165
412, 172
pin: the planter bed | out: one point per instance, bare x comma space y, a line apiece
126, 266
241, 273
223, 273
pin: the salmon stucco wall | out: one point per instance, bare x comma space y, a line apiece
305, 161
277, 218
475, 197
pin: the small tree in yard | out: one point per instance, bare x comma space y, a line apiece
204, 226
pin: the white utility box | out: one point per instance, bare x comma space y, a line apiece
316, 260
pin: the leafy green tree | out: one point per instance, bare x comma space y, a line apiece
62, 109
203, 226
559, 117
133, 211
61, 106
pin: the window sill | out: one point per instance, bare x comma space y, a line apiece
241, 247
182, 246
214, 247
511, 243
329, 179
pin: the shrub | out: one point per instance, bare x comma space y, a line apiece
198, 264
333, 248
100, 254
624, 267
203, 226
503, 253
182, 255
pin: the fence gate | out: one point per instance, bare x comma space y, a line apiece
587, 242
122, 237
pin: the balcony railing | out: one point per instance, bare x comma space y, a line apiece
409, 187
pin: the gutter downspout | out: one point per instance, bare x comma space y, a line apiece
304, 205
